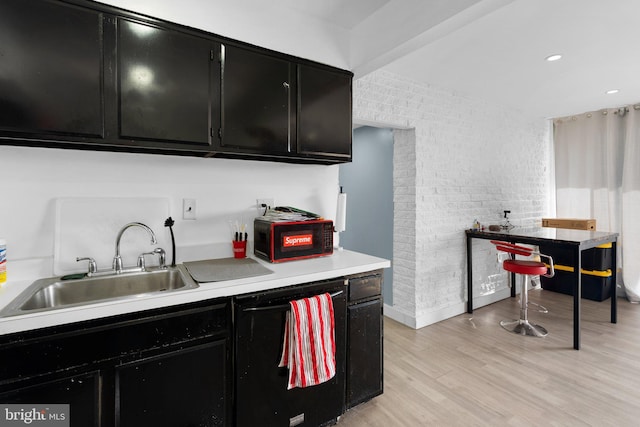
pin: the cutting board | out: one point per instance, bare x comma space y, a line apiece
218, 270
87, 227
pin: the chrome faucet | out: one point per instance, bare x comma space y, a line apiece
93, 267
117, 259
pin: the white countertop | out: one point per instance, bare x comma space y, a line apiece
289, 273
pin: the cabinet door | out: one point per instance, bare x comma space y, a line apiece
257, 102
80, 392
182, 388
364, 359
51, 82
165, 86
324, 113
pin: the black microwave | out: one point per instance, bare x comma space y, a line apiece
277, 241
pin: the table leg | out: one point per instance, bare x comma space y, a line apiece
469, 277
577, 295
614, 285
513, 276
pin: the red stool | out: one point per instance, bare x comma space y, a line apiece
526, 268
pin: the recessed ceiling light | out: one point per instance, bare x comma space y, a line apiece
612, 91
554, 57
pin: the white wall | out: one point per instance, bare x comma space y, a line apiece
262, 23
463, 159
32, 178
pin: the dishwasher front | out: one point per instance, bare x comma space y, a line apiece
261, 395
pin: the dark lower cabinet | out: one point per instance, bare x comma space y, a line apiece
365, 352
207, 364
81, 392
165, 367
364, 329
181, 388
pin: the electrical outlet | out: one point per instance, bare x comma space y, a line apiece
188, 209
268, 203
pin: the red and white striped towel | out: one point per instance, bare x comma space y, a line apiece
309, 346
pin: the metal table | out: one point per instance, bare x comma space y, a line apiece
574, 240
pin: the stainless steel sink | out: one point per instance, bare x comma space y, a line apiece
54, 293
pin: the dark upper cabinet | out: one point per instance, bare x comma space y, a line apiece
80, 74
272, 106
258, 92
165, 85
324, 112
51, 62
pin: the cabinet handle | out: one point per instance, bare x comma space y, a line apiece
370, 276
223, 57
287, 87
282, 306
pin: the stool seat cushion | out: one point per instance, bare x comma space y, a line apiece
532, 268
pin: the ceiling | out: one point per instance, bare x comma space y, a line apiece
344, 13
496, 49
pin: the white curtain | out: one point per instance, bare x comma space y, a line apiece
597, 158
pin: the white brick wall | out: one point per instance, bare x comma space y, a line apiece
460, 159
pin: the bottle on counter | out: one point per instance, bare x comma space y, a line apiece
3, 261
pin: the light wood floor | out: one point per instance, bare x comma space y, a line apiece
468, 371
